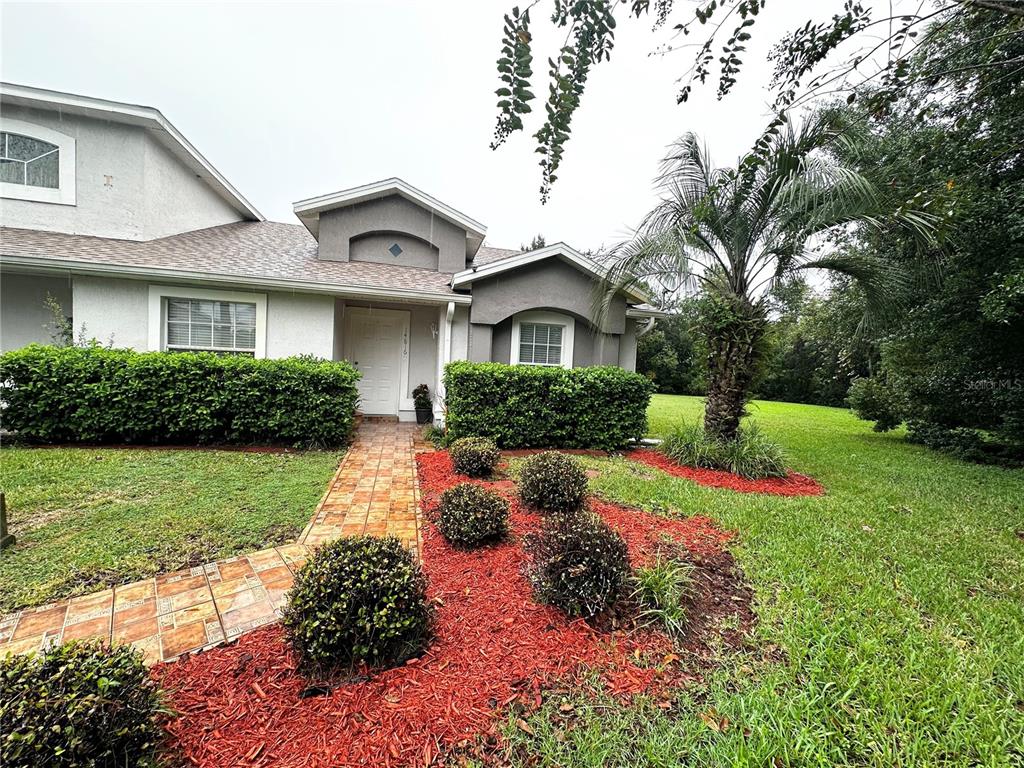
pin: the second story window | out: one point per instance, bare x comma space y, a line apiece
28, 161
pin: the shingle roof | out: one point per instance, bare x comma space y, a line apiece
486, 255
265, 250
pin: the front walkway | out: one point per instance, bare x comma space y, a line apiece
374, 492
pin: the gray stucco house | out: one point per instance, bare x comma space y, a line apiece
109, 210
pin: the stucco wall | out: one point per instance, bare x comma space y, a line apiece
392, 215
550, 284
460, 334
415, 252
113, 311
627, 347
24, 317
128, 186
300, 324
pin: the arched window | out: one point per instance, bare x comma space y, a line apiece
28, 161
36, 163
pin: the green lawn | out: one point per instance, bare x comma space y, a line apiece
86, 517
897, 599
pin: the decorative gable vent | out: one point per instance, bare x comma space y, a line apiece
395, 250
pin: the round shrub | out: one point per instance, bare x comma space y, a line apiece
79, 704
358, 599
578, 564
469, 515
553, 482
474, 456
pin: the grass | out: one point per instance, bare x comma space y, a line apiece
87, 517
896, 600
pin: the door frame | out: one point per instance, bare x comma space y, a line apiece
403, 366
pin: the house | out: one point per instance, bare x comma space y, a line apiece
108, 210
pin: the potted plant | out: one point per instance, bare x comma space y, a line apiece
421, 401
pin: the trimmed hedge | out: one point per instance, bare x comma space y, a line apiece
523, 406
98, 395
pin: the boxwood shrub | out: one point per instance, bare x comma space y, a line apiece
578, 564
553, 482
523, 406
358, 599
474, 456
98, 395
469, 515
79, 704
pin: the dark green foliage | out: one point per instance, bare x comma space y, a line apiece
578, 564
671, 355
470, 515
358, 599
79, 704
97, 395
553, 482
474, 456
523, 406
872, 400
750, 454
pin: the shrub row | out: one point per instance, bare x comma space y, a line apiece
522, 406
98, 395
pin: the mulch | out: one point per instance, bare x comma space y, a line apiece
793, 484
494, 649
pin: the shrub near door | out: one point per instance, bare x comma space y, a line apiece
523, 406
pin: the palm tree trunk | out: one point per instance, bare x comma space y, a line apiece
734, 336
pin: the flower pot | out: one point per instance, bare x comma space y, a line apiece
424, 415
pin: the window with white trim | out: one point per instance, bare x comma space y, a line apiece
540, 344
211, 326
28, 161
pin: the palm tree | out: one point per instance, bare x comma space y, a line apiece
733, 233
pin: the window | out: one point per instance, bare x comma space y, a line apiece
30, 162
542, 337
36, 163
217, 326
540, 344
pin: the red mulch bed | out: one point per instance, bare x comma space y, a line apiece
792, 484
494, 647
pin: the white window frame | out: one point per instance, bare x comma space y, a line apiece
158, 295
65, 193
547, 318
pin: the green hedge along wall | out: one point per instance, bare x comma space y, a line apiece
98, 395
522, 406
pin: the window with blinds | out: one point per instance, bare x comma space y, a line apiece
540, 344
211, 326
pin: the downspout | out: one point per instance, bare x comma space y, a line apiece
442, 360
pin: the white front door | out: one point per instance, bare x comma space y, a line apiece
376, 342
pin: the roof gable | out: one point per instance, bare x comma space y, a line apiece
148, 118
517, 260
309, 210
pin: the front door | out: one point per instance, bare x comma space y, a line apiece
376, 342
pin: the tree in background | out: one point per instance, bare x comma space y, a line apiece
735, 233
537, 242
671, 355
955, 361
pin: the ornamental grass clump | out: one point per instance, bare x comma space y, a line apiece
358, 599
474, 456
78, 704
578, 564
553, 482
750, 455
470, 515
662, 590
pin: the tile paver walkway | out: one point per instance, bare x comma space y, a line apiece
373, 492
